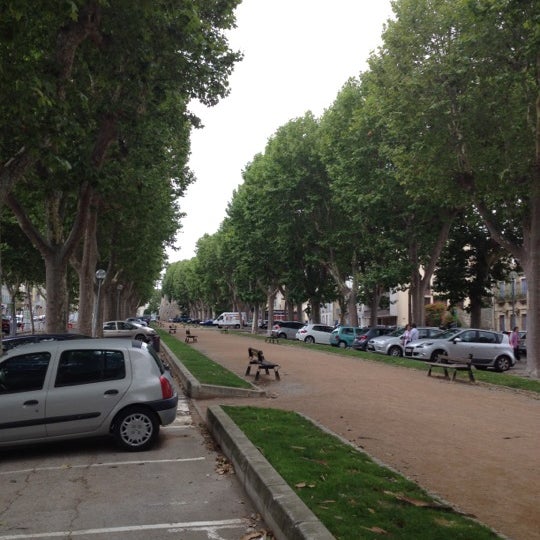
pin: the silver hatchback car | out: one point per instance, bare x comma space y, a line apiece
69, 389
485, 349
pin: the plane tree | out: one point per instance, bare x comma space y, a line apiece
87, 71
459, 81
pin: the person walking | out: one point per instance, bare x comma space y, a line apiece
514, 342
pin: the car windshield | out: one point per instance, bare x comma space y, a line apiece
447, 334
396, 333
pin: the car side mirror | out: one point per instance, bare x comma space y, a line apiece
457, 340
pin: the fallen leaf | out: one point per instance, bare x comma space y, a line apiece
300, 485
377, 530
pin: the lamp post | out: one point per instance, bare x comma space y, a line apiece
119, 288
513, 276
100, 276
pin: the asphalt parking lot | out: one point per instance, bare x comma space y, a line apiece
90, 489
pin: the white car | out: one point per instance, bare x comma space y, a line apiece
484, 348
392, 344
315, 333
124, 329
56, 390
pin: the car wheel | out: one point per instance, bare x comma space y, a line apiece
436, 354
282, 335
136, 429
503, 363
309, 339
395, 351
140, 337
342, 344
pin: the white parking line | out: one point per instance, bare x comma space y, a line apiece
93, 465
209, 526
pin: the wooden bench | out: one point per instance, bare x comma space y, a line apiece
190, 337
271, 339
447, 364
256, 357
172, 329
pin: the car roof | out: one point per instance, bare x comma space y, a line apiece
92, 343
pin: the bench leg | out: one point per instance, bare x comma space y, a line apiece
277, 374
248, 370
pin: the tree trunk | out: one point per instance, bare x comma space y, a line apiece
56, 314
86, 269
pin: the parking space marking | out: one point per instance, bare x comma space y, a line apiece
94, 465
209, 526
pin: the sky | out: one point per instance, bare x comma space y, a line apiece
297, 56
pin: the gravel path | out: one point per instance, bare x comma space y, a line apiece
474, 445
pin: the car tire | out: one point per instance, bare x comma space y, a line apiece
282, 335
342, 344
136, 429
140, 337
503, 363
436, 354
309, 339
395, 351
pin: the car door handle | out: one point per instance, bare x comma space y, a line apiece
111, 392
30, 403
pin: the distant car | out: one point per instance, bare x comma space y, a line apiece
286, 329
9, 343
360, 342
392, 344
343, 336
208, 322
315, 333
6, 326
123, 329
485, 349
70, 389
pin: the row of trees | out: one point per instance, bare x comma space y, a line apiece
95, 140
427, 164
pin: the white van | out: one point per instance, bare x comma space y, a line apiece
229, 319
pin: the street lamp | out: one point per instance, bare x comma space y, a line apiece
513, 276
119, 288
100, 276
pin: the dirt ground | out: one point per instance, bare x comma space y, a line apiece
475, 446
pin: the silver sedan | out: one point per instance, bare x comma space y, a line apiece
124, 329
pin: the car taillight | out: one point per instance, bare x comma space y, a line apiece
302, 331
166, 387
362, 338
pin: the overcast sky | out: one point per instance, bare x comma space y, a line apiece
297, 56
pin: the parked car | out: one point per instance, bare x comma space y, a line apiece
360, 342
315, 333
123, 329
523, 343
137, 320
9, 343
6, 326
85, 387
485, 349
208, 322
286, 329
392, 344
343, 336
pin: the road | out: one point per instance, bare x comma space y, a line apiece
91, 490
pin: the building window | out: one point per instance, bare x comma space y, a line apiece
501, 323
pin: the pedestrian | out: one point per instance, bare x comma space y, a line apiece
514, 342
413, 335
406, 337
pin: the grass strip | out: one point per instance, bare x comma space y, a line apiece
206, 371
353, 496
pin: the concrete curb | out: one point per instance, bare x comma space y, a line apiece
280, 507
194, 389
